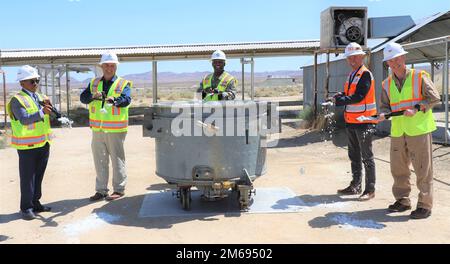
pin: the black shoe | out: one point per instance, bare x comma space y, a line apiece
350, 190
41, 208
367, 196
115, 196
398, 207
28, 214
97, 196
420, 213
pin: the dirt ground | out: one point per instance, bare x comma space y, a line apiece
314, 169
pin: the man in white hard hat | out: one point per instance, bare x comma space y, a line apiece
108, 98
219, 85
412, 92
29, 113
359, 100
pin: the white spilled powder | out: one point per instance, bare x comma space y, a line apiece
328, 103
93, 221
330, 124
349, 222
330, 115
324, 204
65, 122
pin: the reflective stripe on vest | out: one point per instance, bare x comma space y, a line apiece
361, 108
26, 141
410, 95
367, 106
30, 136
108, 124
111, 119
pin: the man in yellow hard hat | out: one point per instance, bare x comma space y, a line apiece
412, 92
31, 136
219, 85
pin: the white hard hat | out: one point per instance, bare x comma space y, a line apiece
353, 49
218, 55
393, 50
109, 57
27, 73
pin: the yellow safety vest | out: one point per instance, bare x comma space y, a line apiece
111, 119
225, 79
30, 136
419, 124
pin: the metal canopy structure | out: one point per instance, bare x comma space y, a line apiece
54, 63
158, 52
429, 50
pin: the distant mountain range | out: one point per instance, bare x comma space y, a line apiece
171, 77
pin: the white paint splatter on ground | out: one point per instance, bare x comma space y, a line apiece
349, 221
93, 221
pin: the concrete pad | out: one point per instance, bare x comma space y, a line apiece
266, 200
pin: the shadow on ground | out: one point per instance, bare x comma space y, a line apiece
59, 208
162, 187
315, 200
4, 219
371, 219
308, 201
62, 208
125, 212
4, 238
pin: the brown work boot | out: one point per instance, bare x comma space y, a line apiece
114, 196
398, 207
366, 196
420, 213
97, 196
350, 190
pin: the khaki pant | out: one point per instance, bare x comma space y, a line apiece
418, 151
104, 146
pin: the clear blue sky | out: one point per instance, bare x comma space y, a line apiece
89, 23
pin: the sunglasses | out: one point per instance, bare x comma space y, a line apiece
34, 81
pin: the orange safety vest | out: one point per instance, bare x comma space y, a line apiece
367, 107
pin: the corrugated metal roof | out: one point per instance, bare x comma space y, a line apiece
159, 52
426, 50
438, 25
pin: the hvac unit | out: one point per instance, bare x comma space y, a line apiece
341, 25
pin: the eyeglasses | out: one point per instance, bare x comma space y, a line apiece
34, 81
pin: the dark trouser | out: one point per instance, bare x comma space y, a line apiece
32, 165
360, 152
